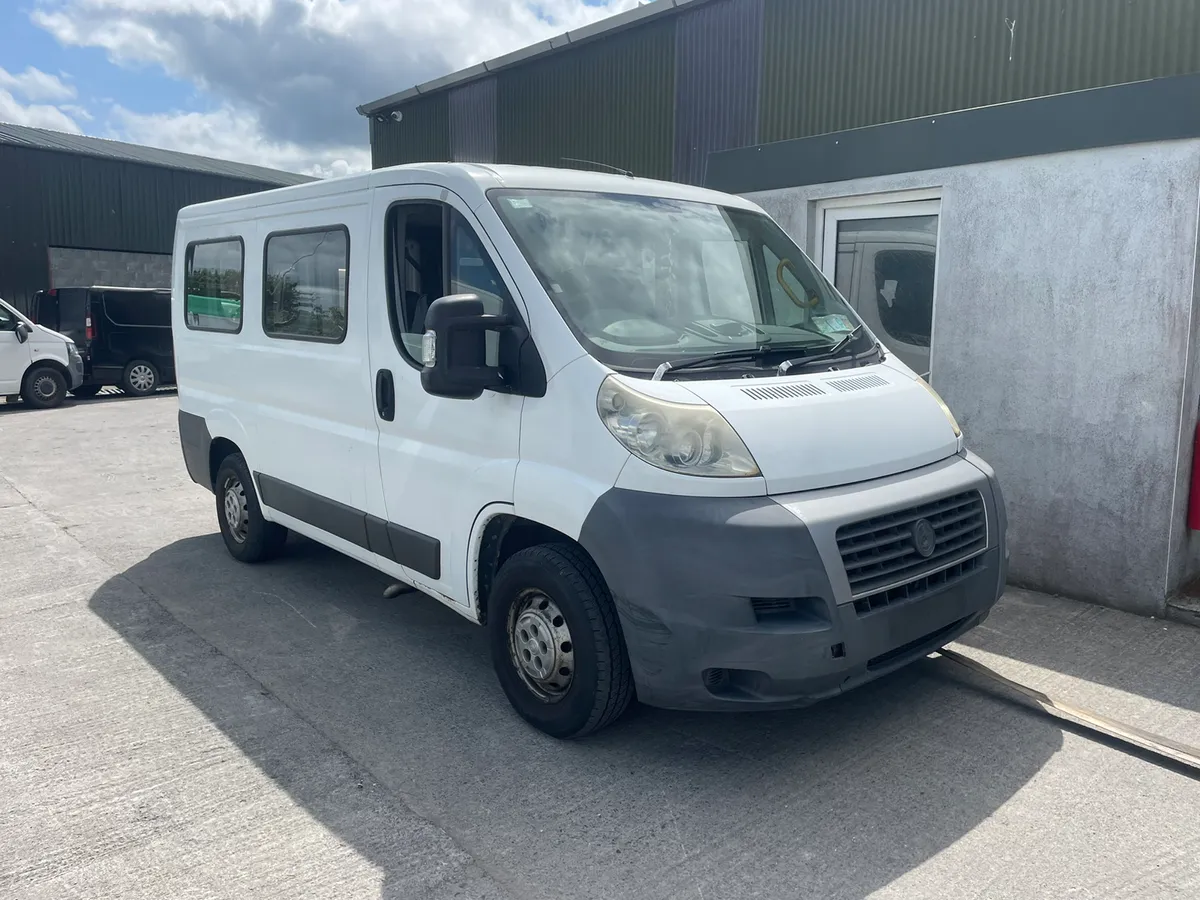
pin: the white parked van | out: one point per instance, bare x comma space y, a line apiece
36, 363
625, 425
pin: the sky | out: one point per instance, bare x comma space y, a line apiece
269, 82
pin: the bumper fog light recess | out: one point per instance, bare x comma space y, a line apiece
715, 679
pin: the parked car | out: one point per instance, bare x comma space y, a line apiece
123, 334
625, 425
36, 363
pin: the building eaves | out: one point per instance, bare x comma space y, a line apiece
44, 139
602, 28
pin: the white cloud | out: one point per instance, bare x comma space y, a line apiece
21, 99
228, 133
294, 70
36, 86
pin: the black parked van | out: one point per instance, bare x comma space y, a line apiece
123, 334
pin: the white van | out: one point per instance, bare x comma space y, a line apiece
625, 425
37, 364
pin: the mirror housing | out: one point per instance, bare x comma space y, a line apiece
23, 332
454, 349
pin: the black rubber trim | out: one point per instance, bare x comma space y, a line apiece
417, 551
195, 440
377, 536
409, 548
336, 518
1161, 109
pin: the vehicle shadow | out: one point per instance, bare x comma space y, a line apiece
18, 406
835, 801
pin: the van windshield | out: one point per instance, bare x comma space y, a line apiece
647, 280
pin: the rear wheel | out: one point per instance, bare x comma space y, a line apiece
86, 391
248, 536
44, 388
556, 642
140, 378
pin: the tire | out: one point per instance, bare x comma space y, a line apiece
44, 388
140, 378
252, 539
554, 591
86, 391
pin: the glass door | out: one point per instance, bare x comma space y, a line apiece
883, 259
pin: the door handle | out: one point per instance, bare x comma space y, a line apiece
385, 394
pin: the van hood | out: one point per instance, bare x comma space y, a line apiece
833, 428
41, 334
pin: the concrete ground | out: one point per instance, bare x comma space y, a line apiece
174, 724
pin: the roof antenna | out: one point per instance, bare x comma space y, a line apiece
599, 165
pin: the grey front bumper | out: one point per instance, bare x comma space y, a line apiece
744, 603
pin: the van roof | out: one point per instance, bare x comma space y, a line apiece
470, 181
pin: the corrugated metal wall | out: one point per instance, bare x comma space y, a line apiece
718, 56
473, 121
830, 66
57, 199
423, 135
658, 96
611, 101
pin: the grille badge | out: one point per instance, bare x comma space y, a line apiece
924, 538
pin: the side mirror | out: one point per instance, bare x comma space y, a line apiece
23, 332
454, 349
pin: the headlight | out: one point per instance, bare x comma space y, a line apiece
942, 403
691, 439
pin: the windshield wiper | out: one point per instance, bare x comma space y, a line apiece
743, 354
832, 353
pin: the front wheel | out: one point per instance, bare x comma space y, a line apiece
248, 536
44, 388
140, 378
556, 642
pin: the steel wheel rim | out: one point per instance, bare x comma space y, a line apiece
141, 377
540, 646
237, 513
44, 387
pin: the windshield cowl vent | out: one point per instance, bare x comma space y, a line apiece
858, 383
783, 391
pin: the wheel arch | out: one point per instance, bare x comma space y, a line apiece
500, 533
47, 363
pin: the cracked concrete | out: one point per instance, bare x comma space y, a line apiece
176, 724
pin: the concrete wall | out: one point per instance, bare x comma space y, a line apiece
70, 267
1063, 322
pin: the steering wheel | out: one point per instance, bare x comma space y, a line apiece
803, 304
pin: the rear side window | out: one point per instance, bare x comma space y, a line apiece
213, 285
304, 284
144, 308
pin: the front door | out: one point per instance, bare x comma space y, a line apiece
442, 461
14, 356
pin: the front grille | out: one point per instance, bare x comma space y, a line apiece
880, 553
918, 588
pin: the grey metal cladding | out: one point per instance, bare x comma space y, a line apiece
473, 122
421, 135
44, 139
718, 58
831, 66
1163, 109
609, 101
58, 198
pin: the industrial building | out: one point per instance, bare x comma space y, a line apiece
79, 210
1008, 192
